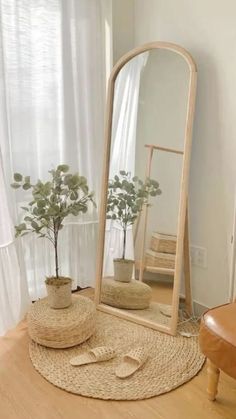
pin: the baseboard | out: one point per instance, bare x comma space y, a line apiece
199, 309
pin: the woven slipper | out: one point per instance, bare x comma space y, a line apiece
131, 362
99, 354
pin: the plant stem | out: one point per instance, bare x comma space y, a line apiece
124, 243
56, 258
56, 248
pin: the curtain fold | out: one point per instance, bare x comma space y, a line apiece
14, 298
52, 79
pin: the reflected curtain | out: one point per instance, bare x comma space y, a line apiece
124, 125
52, 78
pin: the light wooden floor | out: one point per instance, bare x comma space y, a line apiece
24, 394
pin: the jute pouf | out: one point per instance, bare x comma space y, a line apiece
130, 295
61, 328
172, 361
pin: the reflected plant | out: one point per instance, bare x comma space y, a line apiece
126, 198
63, 195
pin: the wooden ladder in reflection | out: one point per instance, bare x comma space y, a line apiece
186, 249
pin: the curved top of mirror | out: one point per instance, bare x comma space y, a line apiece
149, 46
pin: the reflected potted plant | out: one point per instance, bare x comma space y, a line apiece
63, 195
126, 197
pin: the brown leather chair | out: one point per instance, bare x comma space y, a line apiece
217, 340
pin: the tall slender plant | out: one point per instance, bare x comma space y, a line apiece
51, 202
126, 198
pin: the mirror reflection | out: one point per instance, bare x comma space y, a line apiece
148, 131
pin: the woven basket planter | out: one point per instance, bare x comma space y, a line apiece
163, 243
123, 270
59, 292
160, 260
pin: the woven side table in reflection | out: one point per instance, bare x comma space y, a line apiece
61, 328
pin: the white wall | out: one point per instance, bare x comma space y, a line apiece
163, 89
122, 27
207, 29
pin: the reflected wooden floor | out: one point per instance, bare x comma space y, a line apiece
161, 291
24, 394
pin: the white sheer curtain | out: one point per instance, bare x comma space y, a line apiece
14, 298
124, 126
52, 78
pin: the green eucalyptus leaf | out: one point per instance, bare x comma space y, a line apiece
27, 218
26, 186
82, 180
154, 183
21, 227
27, 179
63, 168
18, 177
15, 185
53, 198
67, 179
74, 196
37, 196
153, 193
34, 225
85, 189
41, 211
47, 188
41, 203
24, 234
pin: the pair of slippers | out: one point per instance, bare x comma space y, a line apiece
130, 363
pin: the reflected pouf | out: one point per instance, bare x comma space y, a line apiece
134, 295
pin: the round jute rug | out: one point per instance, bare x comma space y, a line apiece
172, 361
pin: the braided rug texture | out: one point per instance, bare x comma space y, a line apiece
172, 361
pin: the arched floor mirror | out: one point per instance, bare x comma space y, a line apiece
143, 260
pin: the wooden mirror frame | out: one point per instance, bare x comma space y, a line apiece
182, 248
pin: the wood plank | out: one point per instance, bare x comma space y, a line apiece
168, 150
155, 269
187, 267
164, 271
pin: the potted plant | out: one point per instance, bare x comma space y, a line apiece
126, 197
63, 195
